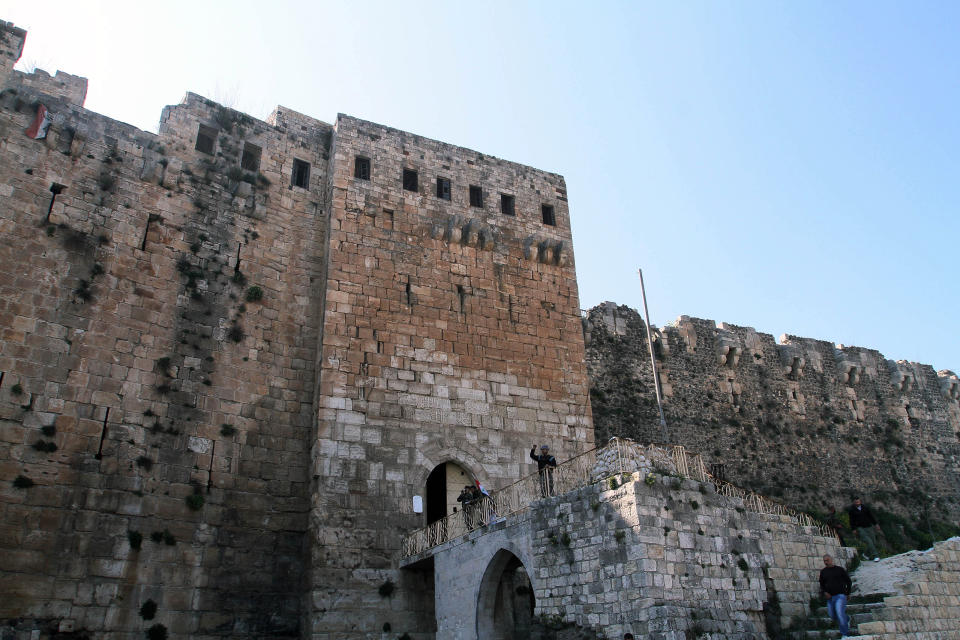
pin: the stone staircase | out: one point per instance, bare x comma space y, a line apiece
861, 609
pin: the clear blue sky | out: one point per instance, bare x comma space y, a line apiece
787, 166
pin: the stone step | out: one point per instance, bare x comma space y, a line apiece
822, 618
852, 608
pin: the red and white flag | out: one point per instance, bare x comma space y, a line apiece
482, 490
38, 129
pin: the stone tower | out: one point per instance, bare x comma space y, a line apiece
236, 354
451, 336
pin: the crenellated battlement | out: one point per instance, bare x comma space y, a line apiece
850, 419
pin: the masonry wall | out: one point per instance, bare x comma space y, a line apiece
928, 602
670, 558
451, 333
802, 420
138, 375
662, 560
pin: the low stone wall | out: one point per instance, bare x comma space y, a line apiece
928, 602
666, 558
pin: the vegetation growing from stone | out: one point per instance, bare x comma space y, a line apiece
163, 536
135, 538
22, 482
195, 501
254, 294
157, 632
148, 610
386, 589
235, 333
45, 446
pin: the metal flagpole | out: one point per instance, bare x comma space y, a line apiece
653, 360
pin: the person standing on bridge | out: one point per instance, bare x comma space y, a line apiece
546, 463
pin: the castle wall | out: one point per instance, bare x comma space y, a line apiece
451, 333
138, 375
802, 420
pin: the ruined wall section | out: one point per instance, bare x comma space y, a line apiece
65, 86
451, 333
802, 420
11, 48
159, 309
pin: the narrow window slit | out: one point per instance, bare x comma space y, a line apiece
409, 294
153, 217
462, 296
103, 434
213, 454
55, 190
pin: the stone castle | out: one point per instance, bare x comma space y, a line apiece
240, 360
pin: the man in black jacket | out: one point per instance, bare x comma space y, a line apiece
863, 524
546, 463
835, 584
466, 501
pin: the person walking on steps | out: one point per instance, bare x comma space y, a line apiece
864, 525
835, 584
546, 463
833, 521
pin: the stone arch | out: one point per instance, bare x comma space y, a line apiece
505, 598
431, 455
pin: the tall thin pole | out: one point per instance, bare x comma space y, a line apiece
653, 360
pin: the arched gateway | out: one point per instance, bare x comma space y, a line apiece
505, 602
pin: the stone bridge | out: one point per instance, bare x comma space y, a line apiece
654, 555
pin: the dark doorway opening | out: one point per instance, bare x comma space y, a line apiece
437, 493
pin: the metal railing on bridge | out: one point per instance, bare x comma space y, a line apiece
618, 456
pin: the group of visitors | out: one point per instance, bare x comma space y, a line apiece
471, 501
835, 582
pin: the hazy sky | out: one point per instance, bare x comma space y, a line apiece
787, 166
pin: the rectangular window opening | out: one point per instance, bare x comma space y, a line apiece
548, 215
301, 174
206, 139
361, 168
507, 205
476, 196
250, 161
410, 182
443, 188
